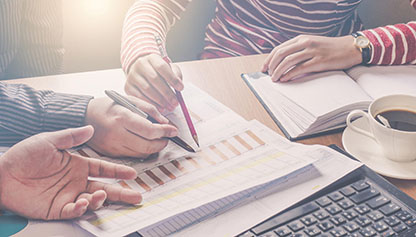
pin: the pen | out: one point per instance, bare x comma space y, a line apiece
123, 101
178, 93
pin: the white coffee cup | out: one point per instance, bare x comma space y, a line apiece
395, 144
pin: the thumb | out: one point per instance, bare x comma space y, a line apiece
68, 138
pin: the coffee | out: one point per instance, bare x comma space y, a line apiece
403, 120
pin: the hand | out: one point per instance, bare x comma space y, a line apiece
305, 54
122, 133
151, 78
40, 180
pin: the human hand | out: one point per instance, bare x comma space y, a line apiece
305, 54
122, 133
39, 179
151, 78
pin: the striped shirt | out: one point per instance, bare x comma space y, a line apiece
30, 38
244, 27
25, 111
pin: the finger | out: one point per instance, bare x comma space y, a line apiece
282, 54
137, 146
116, 193
146, 129
160, 83
149, 109
268, 59
288, 63
95, 200
178, 73
135, 92
68, 138
74, 210
166, 71
301, 69
147, 89
104, 169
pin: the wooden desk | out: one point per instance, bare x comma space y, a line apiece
219, 77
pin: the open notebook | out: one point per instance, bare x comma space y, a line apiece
319, 103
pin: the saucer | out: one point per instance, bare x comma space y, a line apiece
368, 152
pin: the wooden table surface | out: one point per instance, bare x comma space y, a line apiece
219, 77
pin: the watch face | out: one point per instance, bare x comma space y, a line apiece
362, 42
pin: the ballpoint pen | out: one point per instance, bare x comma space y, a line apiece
123, 101
178, 93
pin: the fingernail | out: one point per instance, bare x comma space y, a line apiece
174, 102
179, 85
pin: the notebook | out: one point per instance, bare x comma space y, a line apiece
316, 104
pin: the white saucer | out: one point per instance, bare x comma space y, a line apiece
368, 152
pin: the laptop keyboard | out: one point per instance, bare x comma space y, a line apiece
357, 209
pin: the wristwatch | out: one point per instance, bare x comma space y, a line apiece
362, 43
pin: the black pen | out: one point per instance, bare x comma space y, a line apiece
123, 101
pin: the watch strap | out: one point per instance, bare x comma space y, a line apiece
365, 52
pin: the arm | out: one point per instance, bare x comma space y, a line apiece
118, 131
143, 20
148, 76
393, 44
306, 53
26, 111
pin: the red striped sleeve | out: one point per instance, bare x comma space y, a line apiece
143, 20
395, 44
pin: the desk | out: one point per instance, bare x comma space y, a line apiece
219, 77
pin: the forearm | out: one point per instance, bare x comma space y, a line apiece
393, 44
145, 19
26, 111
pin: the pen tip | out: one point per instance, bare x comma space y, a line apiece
195, 137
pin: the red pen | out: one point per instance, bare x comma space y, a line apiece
178, 93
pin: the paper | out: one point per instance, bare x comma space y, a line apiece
243, 158
325, 170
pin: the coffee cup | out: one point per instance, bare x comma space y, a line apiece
392, 123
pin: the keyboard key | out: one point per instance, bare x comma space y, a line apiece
323, 201
360, 185
400, 228
321, 215
347, 191
325, 226
309, 220
312, 231
338, 220
375, 215
367, 232
364, 196
296, 226
404, 215
286, 217
299, 235
388, 233
392, 221
362, 209
338, 232
389, 209
282, 232
363, 221
269, 234
411, 222
380, 226
351, 227
377, 202
345, 204
335, 196
333, 210
350, 215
